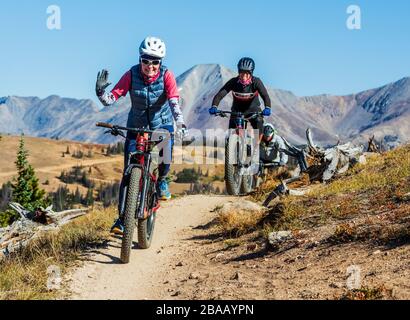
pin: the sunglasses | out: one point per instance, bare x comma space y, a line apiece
149, 62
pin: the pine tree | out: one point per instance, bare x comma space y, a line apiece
77, 196
89, 198
26, 189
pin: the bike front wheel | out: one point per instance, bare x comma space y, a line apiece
233, 177
130, 214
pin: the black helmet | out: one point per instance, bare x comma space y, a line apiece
246, 64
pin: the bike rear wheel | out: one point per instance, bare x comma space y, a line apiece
131, 207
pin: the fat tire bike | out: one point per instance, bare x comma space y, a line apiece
239, 152
139, 203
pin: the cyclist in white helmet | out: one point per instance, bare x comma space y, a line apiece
271, 147
155, 105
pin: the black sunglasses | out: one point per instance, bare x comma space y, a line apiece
149, 62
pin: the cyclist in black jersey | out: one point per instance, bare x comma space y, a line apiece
246, 89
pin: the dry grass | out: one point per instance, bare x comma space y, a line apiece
378, 190
344, 233
380, 187
24, 276
385, 171
235, 223
272, 180
366, 293
232, 243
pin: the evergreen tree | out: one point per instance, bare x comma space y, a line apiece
26, 189
61, 199
77, 196
89, 198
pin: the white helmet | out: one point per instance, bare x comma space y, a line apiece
153, 47
269, 131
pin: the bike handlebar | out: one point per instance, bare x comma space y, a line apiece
136, 130
249, 115
104, 125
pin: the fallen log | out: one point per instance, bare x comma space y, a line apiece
332, 161
325, 164
29, 227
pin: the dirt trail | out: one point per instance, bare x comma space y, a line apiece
190, 259
104, 277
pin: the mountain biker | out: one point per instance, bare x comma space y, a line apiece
271, 147
246, 89
154, 105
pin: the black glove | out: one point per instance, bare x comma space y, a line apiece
102, 82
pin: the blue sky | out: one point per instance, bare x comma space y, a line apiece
298, 45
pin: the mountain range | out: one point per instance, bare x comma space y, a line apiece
383, 112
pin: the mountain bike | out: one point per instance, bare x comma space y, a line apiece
239, 151
139, 203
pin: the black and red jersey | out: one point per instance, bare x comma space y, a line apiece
245, 97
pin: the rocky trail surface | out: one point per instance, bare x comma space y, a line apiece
190, 259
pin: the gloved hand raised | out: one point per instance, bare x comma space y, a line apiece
266, 112
213, 110
102, 82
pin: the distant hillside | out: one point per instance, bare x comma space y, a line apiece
383, 111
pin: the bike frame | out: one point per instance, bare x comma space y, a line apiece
241, 122
141, 159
